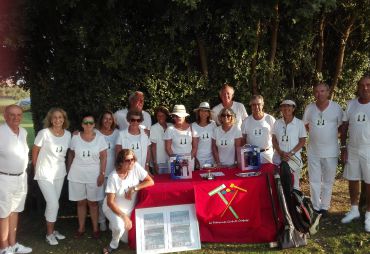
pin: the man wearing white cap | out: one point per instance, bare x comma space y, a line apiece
288, 138
322, 119
226, 96
356, 121
13, 179
257, 129
136, 102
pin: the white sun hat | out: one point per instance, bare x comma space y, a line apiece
204, 106
179, 110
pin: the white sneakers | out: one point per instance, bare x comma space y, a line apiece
103, 226
351, 215
367, 221
19, 248
7, 250
54, 237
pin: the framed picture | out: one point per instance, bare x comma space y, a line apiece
167, 229
181, 166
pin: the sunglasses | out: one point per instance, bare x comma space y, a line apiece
225, 115
138, 120
88, 122
129, 160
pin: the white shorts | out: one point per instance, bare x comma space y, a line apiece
82, 191
358, 165
13, 192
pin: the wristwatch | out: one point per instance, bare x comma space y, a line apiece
136, 189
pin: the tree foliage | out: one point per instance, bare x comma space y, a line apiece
89, 55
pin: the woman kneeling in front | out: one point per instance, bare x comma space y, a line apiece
122, 185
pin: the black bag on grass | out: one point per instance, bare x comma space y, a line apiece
289, 236
304, 218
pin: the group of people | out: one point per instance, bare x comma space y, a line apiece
109, 160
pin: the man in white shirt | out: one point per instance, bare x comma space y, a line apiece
356, 154
322, 119
13, 179
257, 129
136, 101
226, 96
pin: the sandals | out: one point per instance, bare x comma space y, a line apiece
108, 250
78, 234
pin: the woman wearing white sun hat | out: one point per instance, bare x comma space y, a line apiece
180, 138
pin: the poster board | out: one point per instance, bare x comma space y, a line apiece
167, 229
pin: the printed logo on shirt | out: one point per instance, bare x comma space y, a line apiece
257, 132
135, 146
86, 153
59, 149
361, 118
205, 136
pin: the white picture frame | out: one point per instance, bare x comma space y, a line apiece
167, 229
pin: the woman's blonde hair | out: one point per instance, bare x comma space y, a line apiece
121, 156
49, 116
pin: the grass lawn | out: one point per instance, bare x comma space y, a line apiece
333, 236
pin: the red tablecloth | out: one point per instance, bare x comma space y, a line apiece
251, 220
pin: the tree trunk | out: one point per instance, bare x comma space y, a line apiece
320, 50
340, 57
274, 35
202, 56
254, 59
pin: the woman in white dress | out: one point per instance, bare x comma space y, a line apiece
107, 127
204, 127
135, 138
122, 187
48, 159
180, 138
159, 155
226, 139
87, 163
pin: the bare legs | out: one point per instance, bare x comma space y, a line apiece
8, 230
82, 212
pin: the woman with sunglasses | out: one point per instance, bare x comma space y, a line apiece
288, 138
135, 138
107, 128
226, 139
87, 162
48, 159
204, 126
180, 138
122, 187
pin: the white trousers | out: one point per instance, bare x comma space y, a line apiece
51, 191
101, 213
321, 173
117, 226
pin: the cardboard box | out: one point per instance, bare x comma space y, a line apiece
181, 166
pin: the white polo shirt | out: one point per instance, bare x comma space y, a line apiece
138, 143
111, 141
157, 137
50, 163
85, 167
238, 109
13, 150
225, 142
205, 133
181, 139
358, 117
323, 129
120, 117
288, 136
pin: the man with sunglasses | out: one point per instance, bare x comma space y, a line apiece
13, 179
136, 102
322, 119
